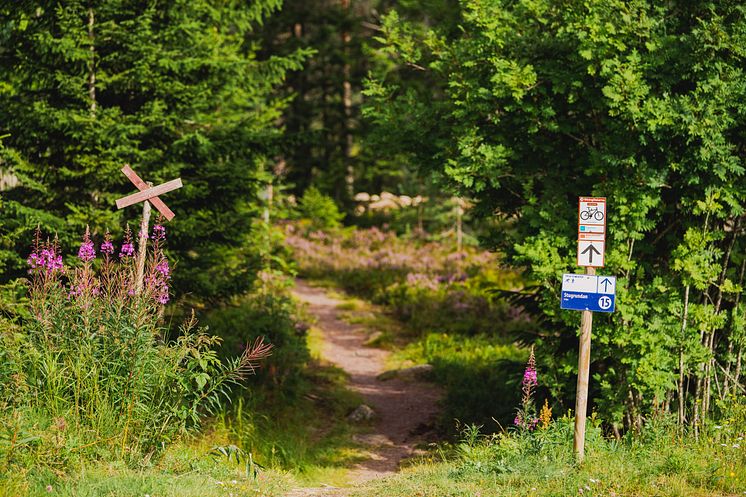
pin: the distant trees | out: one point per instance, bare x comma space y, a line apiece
174, 88
524, 106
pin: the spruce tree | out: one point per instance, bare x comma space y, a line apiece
174, 88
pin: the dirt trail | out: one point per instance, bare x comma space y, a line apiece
404, 409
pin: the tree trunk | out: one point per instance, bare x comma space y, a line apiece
347, 103
682, 398
711, 339
737, 301
91, 64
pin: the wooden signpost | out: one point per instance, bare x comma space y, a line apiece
587, 293
147, 195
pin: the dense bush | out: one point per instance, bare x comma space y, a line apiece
91, 373
268, 312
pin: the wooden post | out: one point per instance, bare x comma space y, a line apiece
584, 365
141, 248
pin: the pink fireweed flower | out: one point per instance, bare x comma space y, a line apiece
530, 377
87, 252
163, 268
159, 232
107, 247
163, 297
127, 250
46, 260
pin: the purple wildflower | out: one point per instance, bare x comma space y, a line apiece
159, 232
87, 252
526, 420
530, 377
163, 297
127, 250
47, 260
163, 268
107, 247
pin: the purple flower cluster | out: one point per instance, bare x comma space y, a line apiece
86, 252
526, 419
127, 250
158, 281
46, 260
159, 232
530, 378
107, 247
528, 424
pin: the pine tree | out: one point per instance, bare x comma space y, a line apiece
174, 88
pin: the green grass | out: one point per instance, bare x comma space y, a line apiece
185, 470
542, 464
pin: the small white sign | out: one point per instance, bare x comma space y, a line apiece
591, 253
579, 283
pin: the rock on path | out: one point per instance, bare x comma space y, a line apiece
404, 408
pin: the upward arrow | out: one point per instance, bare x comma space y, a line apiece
589, 250
605, 282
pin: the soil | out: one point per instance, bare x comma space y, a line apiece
405, 409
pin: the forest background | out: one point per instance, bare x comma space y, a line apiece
495, 115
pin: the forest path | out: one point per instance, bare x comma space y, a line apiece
404, 408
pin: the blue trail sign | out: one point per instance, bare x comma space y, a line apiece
585, 292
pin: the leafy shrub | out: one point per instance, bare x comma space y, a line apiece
92, 371
319, 209
267, 312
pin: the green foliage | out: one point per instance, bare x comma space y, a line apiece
319, 209
524, 106
177, 89
475, 371
270, 313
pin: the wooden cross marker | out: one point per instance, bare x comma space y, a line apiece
148, 194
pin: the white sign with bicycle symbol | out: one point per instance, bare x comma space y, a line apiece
592, 212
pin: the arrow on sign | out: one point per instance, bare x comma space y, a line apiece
589, 250
605, 282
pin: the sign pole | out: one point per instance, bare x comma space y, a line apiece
584, 364
141, 248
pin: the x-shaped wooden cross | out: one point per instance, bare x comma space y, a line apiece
148, 193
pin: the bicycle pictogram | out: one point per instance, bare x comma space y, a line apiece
592, 213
